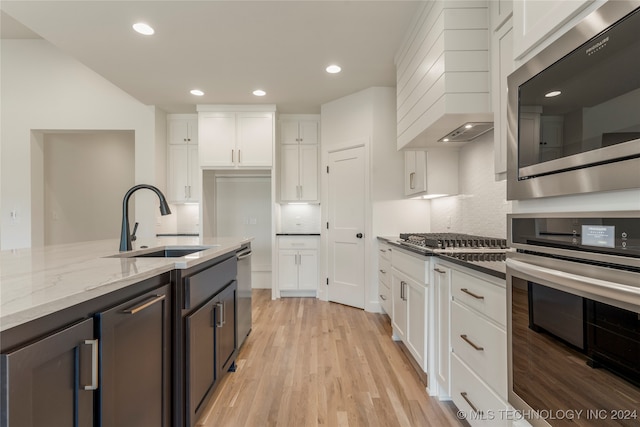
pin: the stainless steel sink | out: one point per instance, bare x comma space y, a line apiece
165, 252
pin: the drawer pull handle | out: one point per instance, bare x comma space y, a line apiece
468, 292
383, 297
383, 271
471, 343
437, 270
144, 305
94, 364
473, 407
383, 250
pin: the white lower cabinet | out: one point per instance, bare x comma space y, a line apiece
297, 265
442, 285
410, 290
384, 277
478, 343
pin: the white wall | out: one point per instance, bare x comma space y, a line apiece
369, 115
481, 207
44, 89
85, 176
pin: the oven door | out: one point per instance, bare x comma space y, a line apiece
574, 342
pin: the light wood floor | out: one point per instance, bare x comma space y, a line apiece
313, 363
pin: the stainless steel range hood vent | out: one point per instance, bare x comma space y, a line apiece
467, 132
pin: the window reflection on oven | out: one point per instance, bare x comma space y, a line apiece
574, 354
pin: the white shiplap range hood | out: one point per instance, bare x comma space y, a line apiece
443, 80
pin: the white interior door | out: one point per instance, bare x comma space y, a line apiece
346, 217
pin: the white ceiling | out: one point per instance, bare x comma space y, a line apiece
225, 48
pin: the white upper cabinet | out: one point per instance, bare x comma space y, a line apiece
183, 172
182, 128
431, 173
298, 168
534, 21
442, 72
501, 66
235, 139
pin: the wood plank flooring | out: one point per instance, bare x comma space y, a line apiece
312, 363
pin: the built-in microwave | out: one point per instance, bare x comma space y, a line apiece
573, 111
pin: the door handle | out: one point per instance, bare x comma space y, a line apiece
147, 303
359, 235
94, 364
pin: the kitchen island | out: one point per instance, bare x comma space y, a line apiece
91, 336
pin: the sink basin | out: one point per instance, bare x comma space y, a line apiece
166, 252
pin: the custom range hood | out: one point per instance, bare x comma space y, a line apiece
443, 81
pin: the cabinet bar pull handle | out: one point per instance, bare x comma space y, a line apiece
412, 183
186, 192
147, 303
383, 297
94, 364
301, 194
189, 187
402, 290
437, 270
383, 271
476, 296
239, 158
220, 322
231, 156
473, 407
383, 250
471, 343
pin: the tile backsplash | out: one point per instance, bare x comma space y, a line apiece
299, 219
481, 207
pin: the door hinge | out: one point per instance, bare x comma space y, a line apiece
327, 169
327, 281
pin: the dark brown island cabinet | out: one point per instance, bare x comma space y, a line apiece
149, 354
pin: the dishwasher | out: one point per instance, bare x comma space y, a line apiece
243, 256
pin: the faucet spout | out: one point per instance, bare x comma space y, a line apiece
125, 234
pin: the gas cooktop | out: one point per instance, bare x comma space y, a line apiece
453, 242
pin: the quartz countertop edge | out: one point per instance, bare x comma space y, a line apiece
297, 234
36, 282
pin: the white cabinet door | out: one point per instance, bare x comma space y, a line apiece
217, 139
287, 269
536, 20
289, 132
308, 132
308, 270
442, 282
502, 63
194, 174
308, 173
182, 129
178, 176
399, 305
416, 296
255, 139
289, 174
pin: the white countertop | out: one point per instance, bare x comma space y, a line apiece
35, 282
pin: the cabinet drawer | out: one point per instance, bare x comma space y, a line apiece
384, 294
201, 286
481, 345
384, 271
488, 408
297, 242
484, 296
417, 268
384, 251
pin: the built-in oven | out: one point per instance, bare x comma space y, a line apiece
573, 294
572, 116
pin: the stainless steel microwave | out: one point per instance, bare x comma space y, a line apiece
573, 111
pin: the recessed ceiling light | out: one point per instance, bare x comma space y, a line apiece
143, 28
445, 140
468, 126
333, 69
197, 92
259, 92
552, 94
